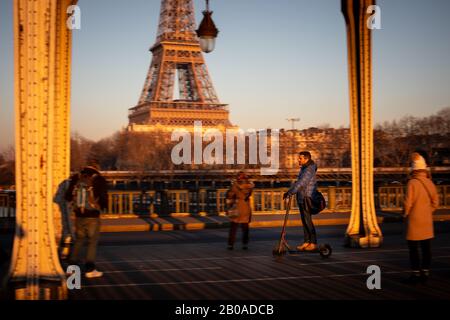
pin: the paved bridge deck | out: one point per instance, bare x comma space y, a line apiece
195, 265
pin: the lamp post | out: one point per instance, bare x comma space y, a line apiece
207, 31
293, 121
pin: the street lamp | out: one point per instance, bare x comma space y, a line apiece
207, 31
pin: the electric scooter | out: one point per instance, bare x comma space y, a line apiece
283, 247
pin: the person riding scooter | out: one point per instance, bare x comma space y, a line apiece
305, 187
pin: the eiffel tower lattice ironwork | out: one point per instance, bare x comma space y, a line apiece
177, 56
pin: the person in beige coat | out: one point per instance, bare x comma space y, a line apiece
239, 194
421, 201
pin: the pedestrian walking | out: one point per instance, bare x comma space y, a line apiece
420, 202
238, 198
87, 192
65, 209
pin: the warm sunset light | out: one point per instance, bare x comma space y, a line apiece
302, 153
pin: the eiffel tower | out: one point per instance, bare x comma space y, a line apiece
177, 56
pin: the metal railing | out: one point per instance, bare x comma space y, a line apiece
7, 204
391, 198
130, 202
212, 201
263, 201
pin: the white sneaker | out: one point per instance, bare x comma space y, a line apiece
94, 274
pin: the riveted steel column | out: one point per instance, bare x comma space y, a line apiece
363, 230
42, 73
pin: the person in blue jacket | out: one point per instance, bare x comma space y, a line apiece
305, 187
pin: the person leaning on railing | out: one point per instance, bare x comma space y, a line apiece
420, 202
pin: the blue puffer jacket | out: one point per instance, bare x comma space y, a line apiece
306, 183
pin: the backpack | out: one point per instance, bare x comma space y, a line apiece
83, 194
317, 202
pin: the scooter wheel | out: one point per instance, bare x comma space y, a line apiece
325, 250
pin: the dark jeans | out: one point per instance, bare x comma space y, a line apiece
233, 229
308, 226
3, 255
414, 254
86, 229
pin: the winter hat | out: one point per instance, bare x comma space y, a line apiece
418, 162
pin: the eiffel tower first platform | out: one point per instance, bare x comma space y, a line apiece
177, 57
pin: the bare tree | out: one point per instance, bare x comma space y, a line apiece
79, 151
106, 152
7, 167
396, 139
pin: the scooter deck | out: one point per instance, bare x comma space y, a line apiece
324, 250
283, 247
302, 251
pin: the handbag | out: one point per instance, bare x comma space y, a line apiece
317, 203
232, 210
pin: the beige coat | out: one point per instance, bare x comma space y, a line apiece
240, 192
419, 206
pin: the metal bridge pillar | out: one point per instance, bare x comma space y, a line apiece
363, 230
42, 46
